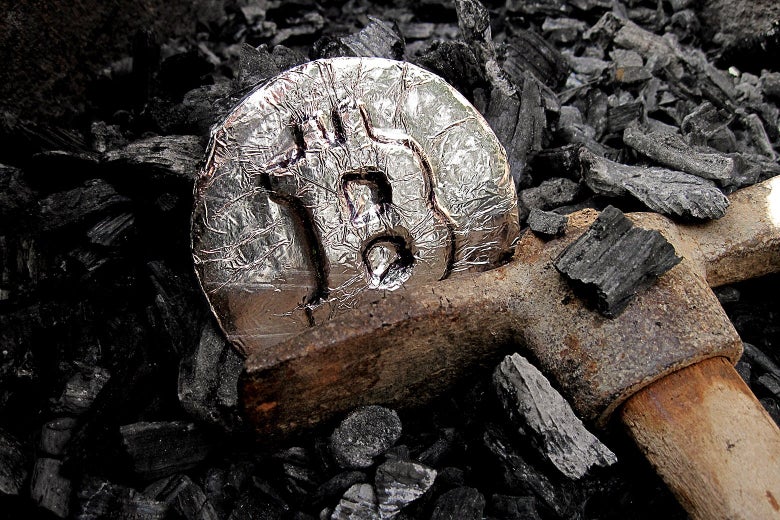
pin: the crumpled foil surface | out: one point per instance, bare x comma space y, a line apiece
341, 177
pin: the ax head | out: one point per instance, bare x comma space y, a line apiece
340, 177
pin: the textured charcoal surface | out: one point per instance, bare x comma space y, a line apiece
544, 416
159, 449
664, 191
546, 223
364, 434
399, 483
103, 333
613, 260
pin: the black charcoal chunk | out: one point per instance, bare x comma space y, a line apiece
518, 476
455, 62
358, 503
770, 84
461, 503
769, 383
548, 195
258, 64
546, 223
534, 7
622, 112
13, 471
184, 496
672, 151
158, 449
399, 483
772, 406
563, 30
528, 53
303, 28
543, 415
98, 499
336, 486
73, 207
664, 191
377, 39
253, 505
56, 434
629, 67
759, 359
506, 507
82, 389
49, 488
208, 379
440, 449
613, 260
168, 157
16, 197
364, 434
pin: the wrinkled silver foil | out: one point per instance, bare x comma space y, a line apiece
340, 177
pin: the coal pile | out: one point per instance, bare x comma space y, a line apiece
118, 392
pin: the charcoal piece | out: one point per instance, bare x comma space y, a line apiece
563, 30
461, 503
158, 449
563, 161
13, 470
672, 151
528, 53
398, 452
744, 370
769, 383
303, 28
208, 379
549, 194
255, 65
184, 496
73, 207
543, 415
536, 7
168, 157
49, 488
685, 25
399, 483
629, 67
254, 506
706, 125
82, 389
57, 170
474, 27
770, 84
759, 359
16, 197
358, 503
112, 230
440, 449
772, 407
56, 434
106, 136
517, 475
97, 499
377, 39
336, 486
613, 260
759, 137
506, 507
622, 115
664, 191
455, 62
586, 65
364, 434
546, 223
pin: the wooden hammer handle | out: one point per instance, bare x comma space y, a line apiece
710, 440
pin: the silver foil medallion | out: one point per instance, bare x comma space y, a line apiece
340, 177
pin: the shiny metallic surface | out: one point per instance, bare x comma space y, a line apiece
341, 177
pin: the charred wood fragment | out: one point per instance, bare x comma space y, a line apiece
613, 260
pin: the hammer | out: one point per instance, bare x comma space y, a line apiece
664, 367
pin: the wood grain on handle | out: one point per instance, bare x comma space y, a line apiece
710, 440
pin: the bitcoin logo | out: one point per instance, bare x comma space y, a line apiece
341, 177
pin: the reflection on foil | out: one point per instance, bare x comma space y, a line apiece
339, 177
